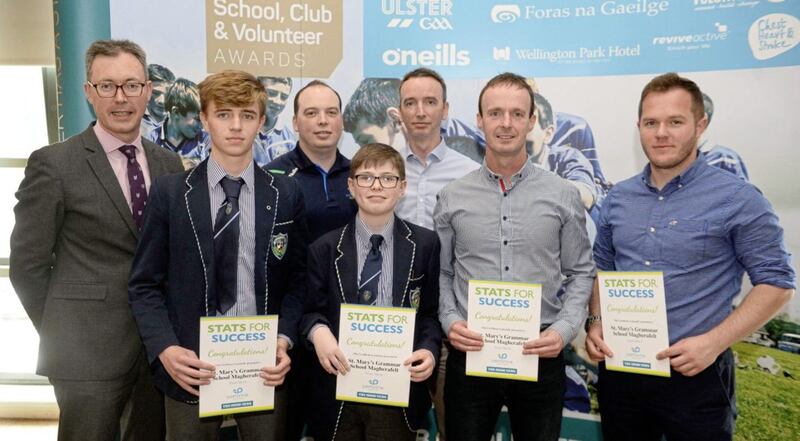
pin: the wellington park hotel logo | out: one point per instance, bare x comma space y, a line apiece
290, 38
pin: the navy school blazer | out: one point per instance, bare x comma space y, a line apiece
172, 278
333, 278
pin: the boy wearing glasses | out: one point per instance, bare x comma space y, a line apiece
381, 260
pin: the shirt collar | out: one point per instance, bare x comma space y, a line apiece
301, 160
527, 169
110, 142
216, 173
695, 169
363, 232
437, 153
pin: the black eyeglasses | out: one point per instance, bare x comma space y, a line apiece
387, 181
108, 89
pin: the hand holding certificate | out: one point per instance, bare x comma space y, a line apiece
239, 347
634, 321
376, 342
507, 314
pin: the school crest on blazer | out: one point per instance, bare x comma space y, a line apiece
280, 242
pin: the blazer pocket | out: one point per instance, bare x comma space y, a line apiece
79, 291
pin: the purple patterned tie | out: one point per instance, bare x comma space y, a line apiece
136, 184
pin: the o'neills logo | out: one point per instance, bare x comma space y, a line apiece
443, 54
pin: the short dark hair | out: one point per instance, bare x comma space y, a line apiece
377, 154
160, 74
314, 83
508, 79
545, 119
424, 72
184, 96
232, 88
370, 101
669, 81
112, 48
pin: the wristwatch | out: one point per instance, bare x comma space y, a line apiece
592, 319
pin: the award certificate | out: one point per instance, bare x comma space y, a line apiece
238, 347
507, 314
634, 321
376, 341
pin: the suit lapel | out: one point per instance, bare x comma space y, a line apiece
98, 161
346, 263
198, 206
404, 253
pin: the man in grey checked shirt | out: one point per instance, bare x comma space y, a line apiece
511, 221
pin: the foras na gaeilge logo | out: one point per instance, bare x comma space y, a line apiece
505, 13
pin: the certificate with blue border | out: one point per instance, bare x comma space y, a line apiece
506, 314
238, 347
634, 317
376, 341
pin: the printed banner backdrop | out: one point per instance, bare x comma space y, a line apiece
589, 59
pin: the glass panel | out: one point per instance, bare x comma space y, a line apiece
20, 340
9, 182
23, 120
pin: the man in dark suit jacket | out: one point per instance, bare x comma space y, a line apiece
177, 273
408, 277
71, 250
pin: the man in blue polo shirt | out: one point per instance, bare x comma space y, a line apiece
703, 228
322, 172
316, 163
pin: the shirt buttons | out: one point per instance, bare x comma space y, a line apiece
661, 198
647, 262
652, 229
505, 242
505, 218
505, 193
506, 268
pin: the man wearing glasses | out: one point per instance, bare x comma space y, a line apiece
381, 260
78, 215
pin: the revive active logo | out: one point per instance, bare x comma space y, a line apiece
703, 39
427, 15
